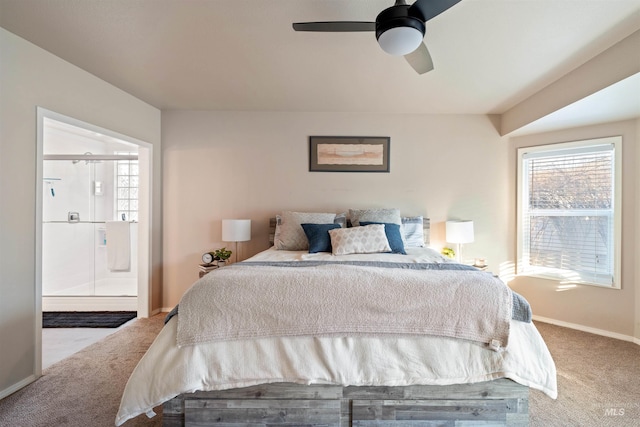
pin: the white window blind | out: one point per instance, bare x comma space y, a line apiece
568, 212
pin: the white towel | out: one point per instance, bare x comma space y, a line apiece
118, 246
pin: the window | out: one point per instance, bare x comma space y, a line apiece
127, 189
569, 211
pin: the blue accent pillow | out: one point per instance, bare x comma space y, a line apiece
393, 236
318, 235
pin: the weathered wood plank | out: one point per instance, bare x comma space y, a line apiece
279, 417
345, 412
490, 410
520, 417
201, 412
500, 402
497, 389
274, 391
173, 412
504, 405
333, 405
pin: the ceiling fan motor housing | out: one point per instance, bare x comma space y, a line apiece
397, 16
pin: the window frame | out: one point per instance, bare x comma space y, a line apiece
567, 276
128, 212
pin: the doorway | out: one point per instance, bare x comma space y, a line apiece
92, 178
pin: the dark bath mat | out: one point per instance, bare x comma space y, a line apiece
86, 319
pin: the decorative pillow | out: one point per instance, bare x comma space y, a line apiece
374, 215
413, 232
392, 231
359, 240
318, 236
341, 219
290, 236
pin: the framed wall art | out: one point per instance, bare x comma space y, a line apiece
349, 153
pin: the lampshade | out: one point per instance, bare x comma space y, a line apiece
459, 231
236, 230
400, 40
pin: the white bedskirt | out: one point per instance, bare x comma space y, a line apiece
166, 371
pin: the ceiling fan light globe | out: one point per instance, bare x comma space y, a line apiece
400, 41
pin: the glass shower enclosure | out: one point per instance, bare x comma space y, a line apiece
82, 194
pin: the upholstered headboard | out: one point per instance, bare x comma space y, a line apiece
426, 227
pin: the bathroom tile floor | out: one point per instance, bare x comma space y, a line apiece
60, 343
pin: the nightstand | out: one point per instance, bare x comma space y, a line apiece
480, 263
206, 268
479, 267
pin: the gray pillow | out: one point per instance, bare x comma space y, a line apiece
289, 234
375, 215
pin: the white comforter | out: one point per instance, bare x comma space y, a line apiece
166, 370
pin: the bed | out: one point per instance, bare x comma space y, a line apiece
306, 337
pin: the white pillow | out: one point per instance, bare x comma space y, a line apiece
413, 232
374, 215
359, 240
289, 234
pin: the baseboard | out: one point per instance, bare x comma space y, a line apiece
25, 382
589, 329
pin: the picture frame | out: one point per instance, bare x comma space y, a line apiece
349, 153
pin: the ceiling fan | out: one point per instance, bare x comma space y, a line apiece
399, 29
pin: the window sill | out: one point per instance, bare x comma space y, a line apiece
564, 281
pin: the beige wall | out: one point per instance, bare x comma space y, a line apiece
636, 220
31, 77
232, 164
610, 310
252, 165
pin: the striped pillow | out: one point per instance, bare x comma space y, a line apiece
413, 232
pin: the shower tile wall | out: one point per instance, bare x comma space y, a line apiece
72, 190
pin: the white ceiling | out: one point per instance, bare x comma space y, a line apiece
489, 55
620, 101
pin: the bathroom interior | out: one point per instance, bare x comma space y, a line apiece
90, 224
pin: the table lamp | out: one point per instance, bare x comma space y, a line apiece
459, 232
236, 230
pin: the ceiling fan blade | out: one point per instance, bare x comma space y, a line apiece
420, 59
430, 8
335, 26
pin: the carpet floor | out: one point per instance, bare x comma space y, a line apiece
86, 319
597, 380
84, 390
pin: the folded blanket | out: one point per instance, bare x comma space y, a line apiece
521, 310
240, 302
